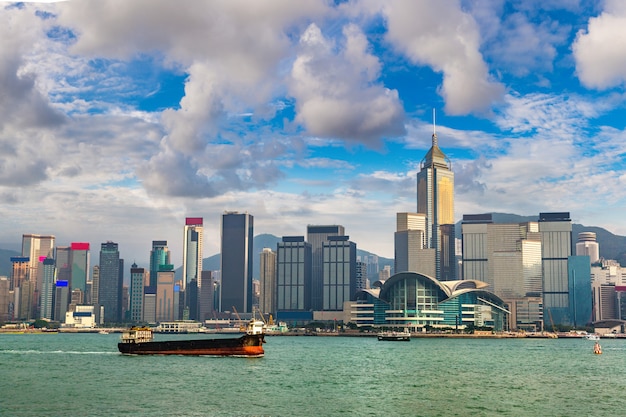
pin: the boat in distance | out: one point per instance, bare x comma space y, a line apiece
404, 336
139, 341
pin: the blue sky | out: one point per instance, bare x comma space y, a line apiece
120, 118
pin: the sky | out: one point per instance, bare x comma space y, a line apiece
119, 118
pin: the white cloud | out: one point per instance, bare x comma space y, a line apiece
336, 89
600, 51
439, 34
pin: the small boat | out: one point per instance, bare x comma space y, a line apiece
592, 337
139, 341
404, 336
597, 349
103, 332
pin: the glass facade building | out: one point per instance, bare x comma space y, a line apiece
293, 274
414, 301
236, 262
435, 199
316, 236
339, 272
192, 250
159, 256
110, 283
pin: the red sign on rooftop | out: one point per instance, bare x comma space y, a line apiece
193, 221
79, 245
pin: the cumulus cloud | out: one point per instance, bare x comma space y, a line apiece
336, 89
439, 34
600, 51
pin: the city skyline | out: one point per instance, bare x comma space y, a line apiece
319, 114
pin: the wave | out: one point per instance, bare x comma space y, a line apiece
52, 352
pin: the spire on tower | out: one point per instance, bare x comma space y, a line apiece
434, 130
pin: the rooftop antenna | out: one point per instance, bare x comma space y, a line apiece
434, 130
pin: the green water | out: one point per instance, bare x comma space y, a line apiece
83, 375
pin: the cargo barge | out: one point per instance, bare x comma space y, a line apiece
139, 341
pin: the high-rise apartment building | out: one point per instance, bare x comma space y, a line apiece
267, 281
159, 256
192, 250
20, 270
236, 262
556, 248
137, 278
111, 281
339, 272
316, 236
80, 266
293, 274
5, 299
435, 199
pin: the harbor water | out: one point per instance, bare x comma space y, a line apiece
84, 375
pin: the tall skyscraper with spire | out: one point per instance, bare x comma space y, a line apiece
435, 199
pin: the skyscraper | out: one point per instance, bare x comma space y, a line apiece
316, 236
192, 250
80, 266
267, 280
435, 199
47, 289
137, 277
410, 251
339, 272
159, 256
293, 274
556, 248
37, 248
236, 263
111, 280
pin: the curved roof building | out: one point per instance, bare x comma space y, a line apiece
414, 300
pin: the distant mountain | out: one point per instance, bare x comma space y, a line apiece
5, 261
611, 246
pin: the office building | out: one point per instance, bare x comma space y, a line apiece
580, 291
411, 253
435, 199
588, 246
267, 281
61, 300
165, 303
37, 248
192, 250
63, 262
236, 262
159, 256
80, 266
206, 305
339, 272
47, 289
149, 304
110, 283
316, 236
293, 275
361, 276
137, 279
507, 257
556, 248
